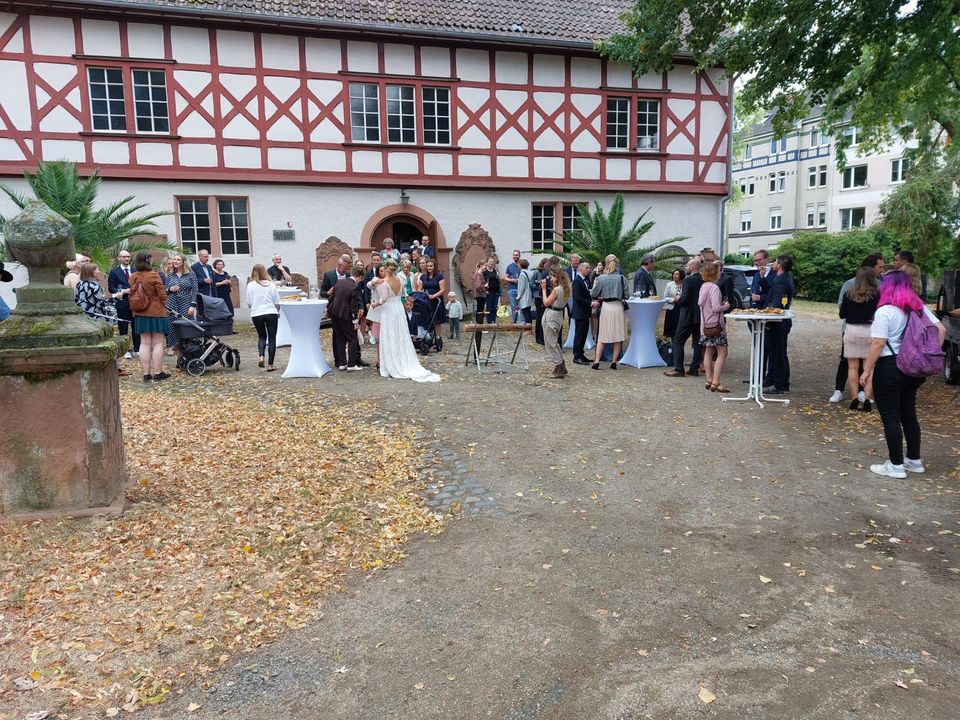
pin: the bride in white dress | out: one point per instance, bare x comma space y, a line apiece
398, 358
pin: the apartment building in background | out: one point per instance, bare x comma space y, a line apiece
793, 183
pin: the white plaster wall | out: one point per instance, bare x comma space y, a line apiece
101, 37
319, 212
435, 61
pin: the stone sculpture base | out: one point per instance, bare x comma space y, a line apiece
62, 448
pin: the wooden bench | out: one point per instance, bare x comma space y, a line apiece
494, 354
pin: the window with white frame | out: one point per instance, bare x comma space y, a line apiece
811, 215
224, 232
854, 177
776, 218
569, 217
748, 151
401, 116
822, 175
814, 137
778, 145
812, 176
898, 169
107, 106
544, 215
648, 124
618, 123
781, 181
743, 249
772, 182
751, 186
364, 112
852, 133
852, 218
821, 214
746, 221
150, 101
436, 115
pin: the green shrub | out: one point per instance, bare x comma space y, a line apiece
737, 259
823, 261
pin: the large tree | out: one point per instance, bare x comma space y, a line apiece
887, 66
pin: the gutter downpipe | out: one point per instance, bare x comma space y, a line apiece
722, 234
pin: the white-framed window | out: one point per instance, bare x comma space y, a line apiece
544, 216
648, 124
618, 123
748, 151
852, 133
743, 249
778, 145
854, 177
150, 101
107, 106
898, 169
781, 181
401, 116
224, 232
822, 175
364, 112
812, 176
776, 218
811, 215
748, 186
852, 217
436, 116
746, 221
814, 137
772, 182
821, 214
569, 217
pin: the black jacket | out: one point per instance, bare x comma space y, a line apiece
643, 283
329, 280
581, 298
688, 301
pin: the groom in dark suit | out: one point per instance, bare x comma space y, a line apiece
688, 322
330, 278
343, 307
580, 311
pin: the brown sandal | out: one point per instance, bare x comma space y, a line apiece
717, 387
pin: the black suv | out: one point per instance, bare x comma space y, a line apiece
742, 279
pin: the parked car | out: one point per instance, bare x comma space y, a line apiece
742, 280
948, 310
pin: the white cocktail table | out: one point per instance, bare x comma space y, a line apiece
642, 349
283, 327
306, 357
756, 324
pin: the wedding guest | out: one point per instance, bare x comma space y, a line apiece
72, 277
426, 250
343, 308
512, 278
670, 293
492, 278
454, 315
433, 283
150, 321
688, 322
118, 285
525, 292
782, 290
181, 287
278, 272
542, 271
377, 290
201, 268
221, 281
264, 302
894, 392
363, 293
857, 309
554, 302
166, 269
480, 297
405, 275
389, 252
581, 310
611, 289
713, 327
90, 299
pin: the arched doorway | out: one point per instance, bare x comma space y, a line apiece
405, 223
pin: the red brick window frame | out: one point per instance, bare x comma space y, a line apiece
219, 224
146, 97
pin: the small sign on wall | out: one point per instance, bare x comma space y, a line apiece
284, 235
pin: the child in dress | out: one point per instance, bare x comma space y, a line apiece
454, 315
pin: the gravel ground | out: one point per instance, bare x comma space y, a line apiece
631, 547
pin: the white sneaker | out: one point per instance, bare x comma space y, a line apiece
342, 367
860, 396
354, 368
127, 356
889, 469
836, 397
136, 354
915, 466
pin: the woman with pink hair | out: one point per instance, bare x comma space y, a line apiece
894, 392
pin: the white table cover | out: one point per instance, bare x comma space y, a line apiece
756, 328
588, 345
306, 357
642, 349
283, 327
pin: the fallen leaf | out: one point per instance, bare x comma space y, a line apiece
901, 684
418, 686
192, 707
765, 580
706, 696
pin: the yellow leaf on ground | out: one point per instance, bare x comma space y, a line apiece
706, 696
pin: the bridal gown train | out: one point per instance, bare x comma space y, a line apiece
398, 358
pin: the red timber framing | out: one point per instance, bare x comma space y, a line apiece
316, 122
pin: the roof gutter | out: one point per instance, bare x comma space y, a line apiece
336, 25
724, 239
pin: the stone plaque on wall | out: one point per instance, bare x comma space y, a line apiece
285, 235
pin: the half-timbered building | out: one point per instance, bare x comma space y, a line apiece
266, 126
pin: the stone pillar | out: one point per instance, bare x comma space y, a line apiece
61, 452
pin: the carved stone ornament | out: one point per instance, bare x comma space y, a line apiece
475, 245
327, 253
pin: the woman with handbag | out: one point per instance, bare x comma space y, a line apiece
611, 289
713, 327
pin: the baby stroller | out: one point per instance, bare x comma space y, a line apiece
200, 344
425, 318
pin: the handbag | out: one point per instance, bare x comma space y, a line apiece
712, 331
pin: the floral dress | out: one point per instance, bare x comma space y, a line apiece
180, 301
